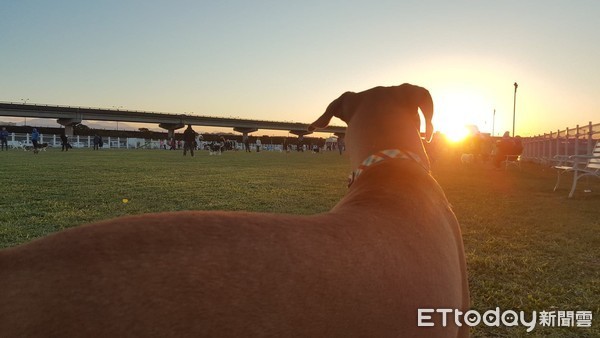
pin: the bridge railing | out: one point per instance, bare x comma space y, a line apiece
557, 146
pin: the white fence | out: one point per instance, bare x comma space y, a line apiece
18, 140
561, 143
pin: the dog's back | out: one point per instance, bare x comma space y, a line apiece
390, 247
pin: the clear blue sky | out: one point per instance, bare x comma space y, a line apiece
282, 60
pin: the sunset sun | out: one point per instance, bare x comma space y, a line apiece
459, 111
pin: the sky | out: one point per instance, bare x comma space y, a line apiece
287, 60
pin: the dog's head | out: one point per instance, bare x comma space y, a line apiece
408, 97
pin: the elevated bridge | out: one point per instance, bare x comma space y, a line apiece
71, 116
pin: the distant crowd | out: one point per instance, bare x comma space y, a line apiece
189, 142
477, 147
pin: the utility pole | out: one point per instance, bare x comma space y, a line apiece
25, 102
514, 109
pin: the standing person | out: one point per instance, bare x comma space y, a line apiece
300, 145
222, 143
258, 144
246, 143
189, 137
341, 144
65, 141
4, 138
96, 141
35, 138
504, 147
199, 139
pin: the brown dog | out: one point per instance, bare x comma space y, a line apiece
389, 247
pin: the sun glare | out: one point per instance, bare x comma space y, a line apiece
458, 108
456, 134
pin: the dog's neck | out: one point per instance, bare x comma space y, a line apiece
364, 142
385, 155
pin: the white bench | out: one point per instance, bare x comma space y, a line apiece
583, 165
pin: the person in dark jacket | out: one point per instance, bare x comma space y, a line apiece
507, 146
4, 138
65, 141
189, 137
96, 141
35, 138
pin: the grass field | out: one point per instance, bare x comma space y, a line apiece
528, 248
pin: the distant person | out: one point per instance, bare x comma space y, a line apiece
285, 144
64, 141
299, 146
96, 141
172, 144
35, 138
341, 145
189, 138
518, 147
507, 147
247, 143
258, 144
222, 143
198, 144
4, 138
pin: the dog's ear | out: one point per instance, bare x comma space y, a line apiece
425, 102
335, 108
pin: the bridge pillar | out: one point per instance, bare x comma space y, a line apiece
171, 127
245, 131
300, 133
69, 124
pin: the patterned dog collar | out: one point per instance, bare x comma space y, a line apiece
381, 156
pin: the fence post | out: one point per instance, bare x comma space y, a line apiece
543, 144
590, 140
27, 138
89, 141
127, 143
118, 143
109, 142
576, 141
77, 139
53, 139
549, 145
567, 142
558, 142
12, 138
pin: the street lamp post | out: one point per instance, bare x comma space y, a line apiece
514, 109
25, 102
493, 121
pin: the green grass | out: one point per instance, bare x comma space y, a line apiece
528, 248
